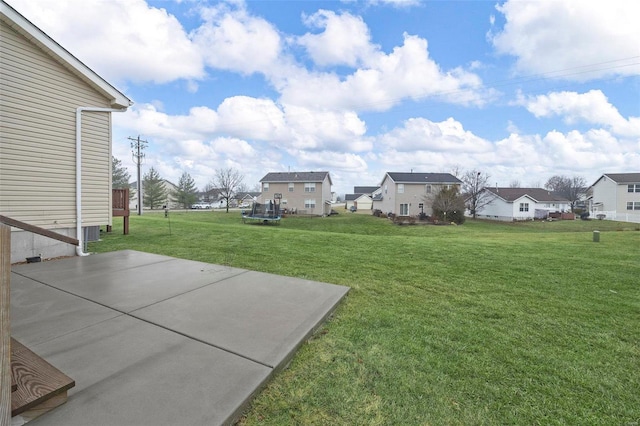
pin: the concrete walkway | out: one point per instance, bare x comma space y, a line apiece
154, 340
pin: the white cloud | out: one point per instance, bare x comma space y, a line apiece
330, 160
420, 134
396, 3
122, 40
253, 118
231, 39
592, 107
561, 35
202, 122
344, 41
407, 72
320, 130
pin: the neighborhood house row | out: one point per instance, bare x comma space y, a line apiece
64, 184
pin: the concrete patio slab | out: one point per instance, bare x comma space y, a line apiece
40, 313
151, 280
129, 372
88, 266
259, 316
152, 340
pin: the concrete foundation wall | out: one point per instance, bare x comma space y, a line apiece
27, 244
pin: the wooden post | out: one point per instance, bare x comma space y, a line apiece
5, 329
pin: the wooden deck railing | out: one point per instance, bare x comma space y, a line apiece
120, 206
6, 385
12, 393
38, 230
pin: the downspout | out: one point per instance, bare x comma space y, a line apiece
79, 110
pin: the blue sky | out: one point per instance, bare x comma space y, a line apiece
520, 90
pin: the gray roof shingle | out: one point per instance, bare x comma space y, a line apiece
423, 177
296, 177
624, 177
538, 194
364, 189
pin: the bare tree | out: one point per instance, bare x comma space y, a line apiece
473, 184
227, 181
514, 184
448, 205
571, 188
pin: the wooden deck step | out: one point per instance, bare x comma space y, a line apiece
40, 386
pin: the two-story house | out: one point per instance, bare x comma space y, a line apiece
410, 194
616, 196
300, 192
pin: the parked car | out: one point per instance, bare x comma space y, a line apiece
197, 206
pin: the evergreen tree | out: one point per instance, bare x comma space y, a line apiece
119, 174
153, 190
185, 195
120, 177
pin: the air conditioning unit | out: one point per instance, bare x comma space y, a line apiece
91, 233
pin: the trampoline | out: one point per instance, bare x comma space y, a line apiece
265, 213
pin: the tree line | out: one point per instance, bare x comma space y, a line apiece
226, 183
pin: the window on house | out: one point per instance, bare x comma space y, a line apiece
427, 189
310, 187
309, 204
291, 186
524, 207
265, 187
401, 188
385, 189
633, 205
404, 209
633, 187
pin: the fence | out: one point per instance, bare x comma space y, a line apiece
613, 215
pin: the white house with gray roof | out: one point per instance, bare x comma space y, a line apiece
510, 204
300, 192
616, 196
409, 194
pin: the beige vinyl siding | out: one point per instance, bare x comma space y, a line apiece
38, 102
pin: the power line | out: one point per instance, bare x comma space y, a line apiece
137, 154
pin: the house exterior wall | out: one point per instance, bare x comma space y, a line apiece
605, 194
296, 198
497, 209
500, 209
412, 194
611, 198
363, 202
38, 101
624, 196
523, 215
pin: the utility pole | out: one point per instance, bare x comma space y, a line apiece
137, 146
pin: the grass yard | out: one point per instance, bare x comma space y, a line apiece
486, 323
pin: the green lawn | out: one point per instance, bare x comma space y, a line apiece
485, 323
